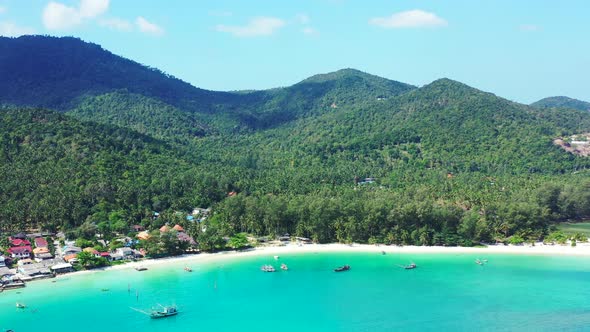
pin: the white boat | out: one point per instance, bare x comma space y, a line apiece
267, 268
164, 312
276, 258
284, 267
20, 305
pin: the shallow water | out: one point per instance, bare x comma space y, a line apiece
446, 292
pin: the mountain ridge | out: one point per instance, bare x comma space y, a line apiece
562, 102
450, 164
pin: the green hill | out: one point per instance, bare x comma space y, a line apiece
56, 72
57, 172
67, 74
344, 156
314, 96
142, 114
562, 102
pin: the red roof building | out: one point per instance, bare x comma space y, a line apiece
20, 243
41, 243
21, 252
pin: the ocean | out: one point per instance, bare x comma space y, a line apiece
446, 292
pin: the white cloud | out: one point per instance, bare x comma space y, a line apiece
529, 27
2, 10
116, 24
93, 8
259, 26
409, 19
9, 29
57, 16
148, 27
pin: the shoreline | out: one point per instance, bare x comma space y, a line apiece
582, 249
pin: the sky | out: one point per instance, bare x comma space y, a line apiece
521, 50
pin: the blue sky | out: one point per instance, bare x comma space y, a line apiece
522, 50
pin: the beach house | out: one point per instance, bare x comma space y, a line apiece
62, 268
126, 253
92, 251
40, 243
20, 252
42, 253
69, 250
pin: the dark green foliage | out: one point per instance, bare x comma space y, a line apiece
142, 114
88, 261
562, 102
56, 72
57, 172
451, 165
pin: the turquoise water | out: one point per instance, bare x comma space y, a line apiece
446, 292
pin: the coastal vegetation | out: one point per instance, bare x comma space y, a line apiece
339, 157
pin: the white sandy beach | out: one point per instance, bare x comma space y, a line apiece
582, 249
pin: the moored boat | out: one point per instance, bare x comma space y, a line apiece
411, 266
342, 268
20, 305
284, 267
141, 268
164, 312
188, 269
267, 268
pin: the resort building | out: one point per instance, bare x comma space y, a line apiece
42, 253
41, 243
71, 258
143, 235
20, 243
62, 268
20, 252
92, 251
68, 250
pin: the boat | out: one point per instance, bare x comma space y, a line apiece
164, 312
141, 268
411, 266
284, 267
267, 268
20, 305
382, 252
276, 258
479, 262
188, 269
342, 268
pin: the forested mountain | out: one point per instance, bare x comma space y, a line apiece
56, 72
562, 102
142, 114
314, 96
67, 74
57, 172
447, 163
